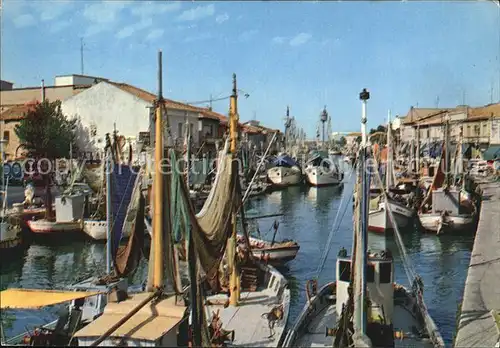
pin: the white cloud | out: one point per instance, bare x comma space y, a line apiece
24, 20
52, 10
204, 36
155, 34
300, 39
150, 8
129, 30
222, 18
278, 39
247, 35
59, 25
103, 12
102, 16
197, 13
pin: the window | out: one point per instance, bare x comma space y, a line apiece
191, 129
385, 272
477, 130
179, 133
345, 271
6, 136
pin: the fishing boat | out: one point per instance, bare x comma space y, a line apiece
321, 171
110, 287
10, 229
50, 227
97, 229
275, 253
10, 237
364, 307
379, 220
446, 207
285, 172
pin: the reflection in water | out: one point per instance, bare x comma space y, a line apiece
308, 217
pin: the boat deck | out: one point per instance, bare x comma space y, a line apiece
315, 337
249, 320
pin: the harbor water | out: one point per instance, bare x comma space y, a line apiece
308, 217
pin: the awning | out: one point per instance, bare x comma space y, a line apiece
34, 299
492, 152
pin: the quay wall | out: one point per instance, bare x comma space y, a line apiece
476, 326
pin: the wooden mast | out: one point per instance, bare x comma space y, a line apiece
158, 186
234, 280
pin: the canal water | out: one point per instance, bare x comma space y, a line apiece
309, 214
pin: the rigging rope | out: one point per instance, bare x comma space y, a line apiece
257, 170
409, 269
334, 230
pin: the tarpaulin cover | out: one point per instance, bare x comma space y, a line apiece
123, 179
284, 161
34, 299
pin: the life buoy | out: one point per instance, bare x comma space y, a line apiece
16, 170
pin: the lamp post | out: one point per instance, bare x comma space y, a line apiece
324, 118
363, 96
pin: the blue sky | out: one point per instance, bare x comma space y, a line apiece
302, 54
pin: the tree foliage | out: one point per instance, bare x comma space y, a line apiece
46, 132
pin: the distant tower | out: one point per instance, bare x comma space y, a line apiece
323, 118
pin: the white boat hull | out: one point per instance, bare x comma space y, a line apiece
10, 238
379, 220
439, 224
317, 176
284, 176
97, 229
47, 227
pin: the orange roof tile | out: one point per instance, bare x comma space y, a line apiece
150, 97
416, 114
485, 111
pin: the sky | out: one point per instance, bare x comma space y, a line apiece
302, 54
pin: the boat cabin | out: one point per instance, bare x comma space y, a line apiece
446, 201
379, 284
93, 306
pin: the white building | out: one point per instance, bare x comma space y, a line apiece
107, 105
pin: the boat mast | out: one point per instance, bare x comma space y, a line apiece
158, 186
360, 338
233, 131
109, 218
388, 164
4, 191
446, 154
187, 144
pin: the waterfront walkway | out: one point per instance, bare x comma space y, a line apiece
476, 326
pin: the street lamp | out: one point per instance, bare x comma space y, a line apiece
324, 118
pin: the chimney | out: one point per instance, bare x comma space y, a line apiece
43, 90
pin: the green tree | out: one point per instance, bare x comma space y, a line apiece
46, 133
